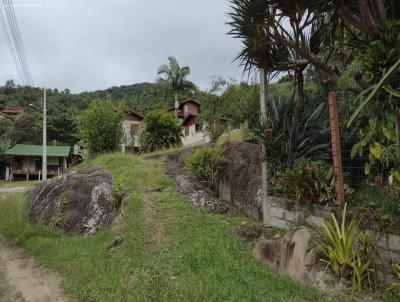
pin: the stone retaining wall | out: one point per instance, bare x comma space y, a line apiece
285, 213
240, 185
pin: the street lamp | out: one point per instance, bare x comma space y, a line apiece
44, 146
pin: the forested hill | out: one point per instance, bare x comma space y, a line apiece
141, 97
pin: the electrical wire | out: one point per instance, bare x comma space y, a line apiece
16, 38
11, 47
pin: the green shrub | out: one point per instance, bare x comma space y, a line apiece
309, 181
118, 193
396, 285
100, 127
376, 196
161, 131
204, 163
235, 136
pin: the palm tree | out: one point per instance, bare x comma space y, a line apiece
175, 77
250, 22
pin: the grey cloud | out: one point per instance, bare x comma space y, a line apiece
94, 44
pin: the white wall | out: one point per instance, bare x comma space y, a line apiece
195, 137
126, 125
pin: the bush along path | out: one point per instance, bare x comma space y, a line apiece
170, 250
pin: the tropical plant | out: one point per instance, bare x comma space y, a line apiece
175, 77
251, 23
204, 164
161, 130
309, 181
338, 244
378, 144
100, 126
291, 133
346, 257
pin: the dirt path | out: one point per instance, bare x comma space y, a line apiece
22, 280
154, 226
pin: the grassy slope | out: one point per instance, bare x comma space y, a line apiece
20, 183
195, 258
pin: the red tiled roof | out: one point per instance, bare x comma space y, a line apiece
12, 110
191, 101
184, 102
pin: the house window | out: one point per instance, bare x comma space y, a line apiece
134, 129
198, 128
185, 108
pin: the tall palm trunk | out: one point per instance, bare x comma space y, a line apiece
176, 103
264, 171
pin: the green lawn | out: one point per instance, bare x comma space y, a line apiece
171, 250
18, 183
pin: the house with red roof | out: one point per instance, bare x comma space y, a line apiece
194, 131
11, 112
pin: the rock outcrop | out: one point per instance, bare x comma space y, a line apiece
197, 192
78, 203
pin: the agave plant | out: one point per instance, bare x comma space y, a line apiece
291, 133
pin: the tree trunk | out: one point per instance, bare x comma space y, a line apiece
347, 104
176, 104
300, 87
264, 171
398, 123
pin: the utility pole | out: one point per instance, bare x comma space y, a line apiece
44, 148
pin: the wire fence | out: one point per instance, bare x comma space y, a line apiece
299, 186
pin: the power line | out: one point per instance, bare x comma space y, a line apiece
19, 38
15, 41
11, 47
16, 38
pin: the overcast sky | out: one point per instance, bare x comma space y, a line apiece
94, 44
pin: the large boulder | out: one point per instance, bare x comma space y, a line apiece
293, 255
240, 178
78, 203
